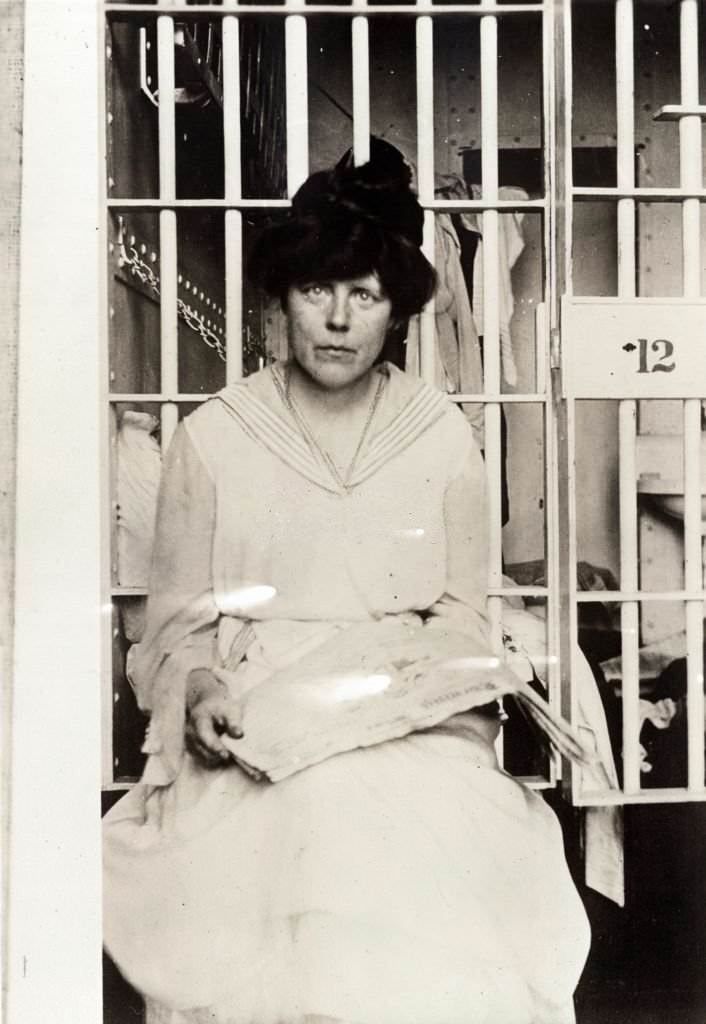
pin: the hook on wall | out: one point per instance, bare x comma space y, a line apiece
201, 72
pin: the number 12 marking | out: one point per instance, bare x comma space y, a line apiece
660, 365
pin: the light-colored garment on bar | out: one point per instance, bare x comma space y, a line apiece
457, 359
510, 245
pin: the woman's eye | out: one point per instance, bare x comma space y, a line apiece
365, 296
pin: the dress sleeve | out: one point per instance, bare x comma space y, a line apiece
182, 616
463, 603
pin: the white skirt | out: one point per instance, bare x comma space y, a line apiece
408, 883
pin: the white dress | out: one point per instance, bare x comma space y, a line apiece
408, 883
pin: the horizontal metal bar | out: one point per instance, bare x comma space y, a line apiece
666, 195
159, 397
593, 596
518, 591
198, 204
500, 397
534, 781
128, 592
635, 301
510, 205
675, 112
211, 13
436, 205
615, 797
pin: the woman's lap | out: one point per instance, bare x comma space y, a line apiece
388, 874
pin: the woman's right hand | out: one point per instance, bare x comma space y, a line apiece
211, 713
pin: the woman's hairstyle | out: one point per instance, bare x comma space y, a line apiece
346, 223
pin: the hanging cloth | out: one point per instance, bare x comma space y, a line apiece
510, 244
457, 360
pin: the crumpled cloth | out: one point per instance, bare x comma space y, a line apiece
139, 465
458, 366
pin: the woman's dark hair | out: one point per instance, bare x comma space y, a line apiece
346, 223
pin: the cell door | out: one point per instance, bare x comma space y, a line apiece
215, 114
630, 368
533, 142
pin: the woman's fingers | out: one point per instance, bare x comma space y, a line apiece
231, 721
207, 757
205, 725
207, 722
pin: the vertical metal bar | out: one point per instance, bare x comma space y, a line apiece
233, 192
167, 127
234, 295
629, 581
551, 503
691, 178
489, 173
425, 180
625, 105
231, 108
425, 109
427, 319
568, 556
169, 364
491, 290
563, 476
361, 87
630, 618
295, 35
489, 104
693, 578
167, 225
690, 145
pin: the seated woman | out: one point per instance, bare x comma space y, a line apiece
409, 882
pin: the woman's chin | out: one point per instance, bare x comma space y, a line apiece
335, 375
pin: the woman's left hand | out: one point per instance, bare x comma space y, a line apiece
207, 721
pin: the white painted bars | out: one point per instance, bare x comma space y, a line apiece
690, 145
425, 179
625, 102
630, 617
693, 577
295, 35
167, 226
233, 193
491, 319
691, 178
361, 87
630, 620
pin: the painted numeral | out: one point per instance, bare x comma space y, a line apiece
663, 350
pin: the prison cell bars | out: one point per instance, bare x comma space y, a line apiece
233, 203
627, 414
691, 177
233, 190
689, 194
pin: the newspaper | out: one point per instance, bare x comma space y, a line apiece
372, 682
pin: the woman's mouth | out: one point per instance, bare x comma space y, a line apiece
335, 352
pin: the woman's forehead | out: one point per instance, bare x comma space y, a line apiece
371, 280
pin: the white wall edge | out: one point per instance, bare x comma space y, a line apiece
54, 968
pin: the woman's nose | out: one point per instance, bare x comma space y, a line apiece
338, 313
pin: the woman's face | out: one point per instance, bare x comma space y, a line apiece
337, 328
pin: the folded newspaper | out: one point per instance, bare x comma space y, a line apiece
374, 682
